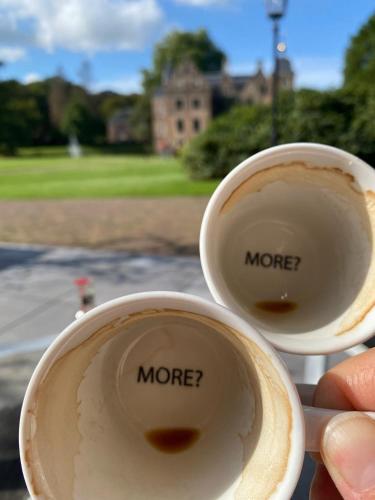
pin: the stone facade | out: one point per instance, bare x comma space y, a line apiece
187, 100
118, 127
181, 108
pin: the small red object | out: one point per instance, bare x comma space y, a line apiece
82, 281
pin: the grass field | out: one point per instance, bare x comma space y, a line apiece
57, 176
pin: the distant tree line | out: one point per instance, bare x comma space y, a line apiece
48, 112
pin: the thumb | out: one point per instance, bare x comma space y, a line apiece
348, 452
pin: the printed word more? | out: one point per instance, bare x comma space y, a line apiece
174, 376
274, 261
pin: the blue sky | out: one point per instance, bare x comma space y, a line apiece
117, 36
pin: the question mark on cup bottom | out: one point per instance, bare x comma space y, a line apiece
297, 263
200, 375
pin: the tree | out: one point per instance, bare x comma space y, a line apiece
19, 117
360, 58
174, 48
79, 121
178, 45
322, 117
361, 135
58, 98
140, 120
85, 75
109, 102
227, 141
44, 132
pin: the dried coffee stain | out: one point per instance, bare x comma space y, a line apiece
276, 306
345, 185
270, 382
296, 171
173, 440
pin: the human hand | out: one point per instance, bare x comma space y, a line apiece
346, 466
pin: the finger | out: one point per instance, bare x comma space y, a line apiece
349, 385
348, 451
322, 486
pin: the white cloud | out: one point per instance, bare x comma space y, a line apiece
123, 85
11, 54
31, 78
10, 34
84, 25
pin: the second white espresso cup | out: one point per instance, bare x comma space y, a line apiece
163, 396
287, 241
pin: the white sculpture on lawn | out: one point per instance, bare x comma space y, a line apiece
74, 148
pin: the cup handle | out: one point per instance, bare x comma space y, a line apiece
316, 418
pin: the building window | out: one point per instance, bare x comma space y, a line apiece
180, 125
196, 103
179, 104
196, 125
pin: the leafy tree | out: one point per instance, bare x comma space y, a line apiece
175, 47
84, 74
227, 141
322, 117
360, 57
361, 136
58, 98
140, 120
44, 131
108, 103
19, 115
178, 45
79, 121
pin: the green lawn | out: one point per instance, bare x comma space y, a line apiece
27, 177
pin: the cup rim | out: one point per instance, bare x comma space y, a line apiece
188, 303
366, 327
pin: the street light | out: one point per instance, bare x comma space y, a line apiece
275, 10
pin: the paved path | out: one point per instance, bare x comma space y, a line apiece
164, 226
38, 299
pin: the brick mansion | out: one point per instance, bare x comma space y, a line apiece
188, 99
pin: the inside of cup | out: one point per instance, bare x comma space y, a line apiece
293, 246
162, 405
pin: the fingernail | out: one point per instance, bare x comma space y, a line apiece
349, 451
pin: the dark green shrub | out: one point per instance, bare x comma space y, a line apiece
322, 117
228, 140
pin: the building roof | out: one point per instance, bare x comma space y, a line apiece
159, 91
241, 80
121, 115
215, 79
285, 67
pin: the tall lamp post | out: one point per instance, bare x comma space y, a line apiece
275, 10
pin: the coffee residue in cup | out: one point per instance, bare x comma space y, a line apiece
276, 306
173, 440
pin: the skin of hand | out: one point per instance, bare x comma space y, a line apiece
346, 465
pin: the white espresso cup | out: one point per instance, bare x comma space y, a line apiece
287, 241
163, 396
